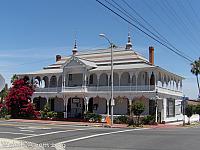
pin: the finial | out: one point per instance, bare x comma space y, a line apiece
75, 50
129, 44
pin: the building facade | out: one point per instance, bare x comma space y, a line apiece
82, 82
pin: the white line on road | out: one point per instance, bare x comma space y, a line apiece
16, 133
60, 145
49, 133
26, 130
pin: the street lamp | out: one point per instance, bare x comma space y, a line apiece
183, 109
112, 100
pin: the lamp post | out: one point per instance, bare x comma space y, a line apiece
183, 108
112, 100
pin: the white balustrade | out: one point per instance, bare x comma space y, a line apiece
108, 88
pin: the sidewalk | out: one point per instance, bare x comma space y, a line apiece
9, 144
67, 123
167, 125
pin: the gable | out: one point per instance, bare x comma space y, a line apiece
74, 62
78, 62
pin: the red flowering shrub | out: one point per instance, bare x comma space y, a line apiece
18, 99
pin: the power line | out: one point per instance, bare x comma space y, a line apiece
165, 40
181, 21
129, 22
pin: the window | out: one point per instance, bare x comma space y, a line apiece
70, 77
170, 107
91, 79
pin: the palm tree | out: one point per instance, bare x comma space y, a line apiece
196, 71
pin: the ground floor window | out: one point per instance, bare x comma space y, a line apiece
170, 107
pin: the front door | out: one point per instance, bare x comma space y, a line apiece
75, 108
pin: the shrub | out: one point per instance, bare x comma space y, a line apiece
138, 108
3, 111
121, 120
189, 111
148, 120
51, 114
60, 115
92, 117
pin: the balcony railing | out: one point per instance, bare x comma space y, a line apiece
50, 89
82, 89
96, 88
121, 88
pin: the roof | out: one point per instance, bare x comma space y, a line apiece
99, 59
124, 67
44, 71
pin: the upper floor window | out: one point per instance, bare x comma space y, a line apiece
91, 79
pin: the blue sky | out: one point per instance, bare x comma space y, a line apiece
32, 32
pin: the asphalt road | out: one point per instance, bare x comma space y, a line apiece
60, 137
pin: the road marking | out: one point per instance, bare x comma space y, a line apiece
60, 145
35, 128
16, 133
49, 133
26, 130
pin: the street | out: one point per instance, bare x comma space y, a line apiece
73, 137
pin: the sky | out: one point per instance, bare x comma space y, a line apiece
32, 32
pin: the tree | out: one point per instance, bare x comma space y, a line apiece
18, 99
138, 108
14, 77
196, 71
189, 111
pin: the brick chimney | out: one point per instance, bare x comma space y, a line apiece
58, 58
151, 55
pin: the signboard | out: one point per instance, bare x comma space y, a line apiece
75, 100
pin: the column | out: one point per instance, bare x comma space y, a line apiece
65, 98
136, 78
63, 81
164, 110
149, 79
108, 106
86, 101
85, 78
130, 105
131, 79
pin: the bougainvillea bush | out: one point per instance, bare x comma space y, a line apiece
18, 100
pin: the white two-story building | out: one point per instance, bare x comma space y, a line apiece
82, 82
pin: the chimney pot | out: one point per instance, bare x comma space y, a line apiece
151, 55
58, 58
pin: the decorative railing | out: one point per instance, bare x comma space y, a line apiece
50, 89
83, 89
121, 88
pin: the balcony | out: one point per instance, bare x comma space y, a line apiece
121, 88
83, 89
